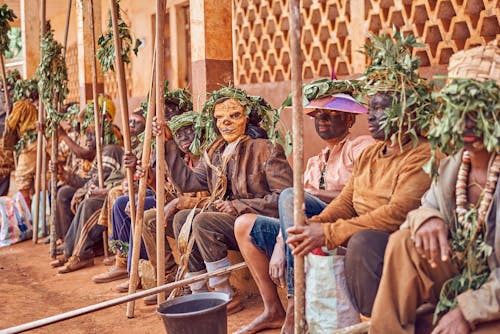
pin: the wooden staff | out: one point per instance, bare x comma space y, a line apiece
97, 116
146, 152
122, 92
160, 149
5, 88
39, 141
117, 301
298, 158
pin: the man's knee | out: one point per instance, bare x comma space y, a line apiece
150, 220
398, 241
243, 225
179, 220
65, 194
286, 196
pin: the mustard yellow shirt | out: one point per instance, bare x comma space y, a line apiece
23, 117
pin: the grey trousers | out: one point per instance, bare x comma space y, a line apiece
84, 233
364, 260
149, 238
64, 216
214, 236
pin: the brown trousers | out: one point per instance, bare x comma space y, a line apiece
408, 281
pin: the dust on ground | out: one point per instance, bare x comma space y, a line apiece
30, 290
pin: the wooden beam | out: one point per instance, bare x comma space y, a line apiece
30, 28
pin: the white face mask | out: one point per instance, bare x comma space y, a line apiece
230, 119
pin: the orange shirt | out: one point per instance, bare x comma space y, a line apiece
338, 163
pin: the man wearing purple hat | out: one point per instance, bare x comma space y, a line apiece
260, 239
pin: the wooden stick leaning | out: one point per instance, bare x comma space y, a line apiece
97, 116
160, 149
39, 140
146, 152
298, 158
122, 92
117, 301
5, 88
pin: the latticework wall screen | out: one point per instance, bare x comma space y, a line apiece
261, 32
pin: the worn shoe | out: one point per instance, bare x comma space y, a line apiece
234, 305
123, 287
114, 273
109, 261
150, 300
75, 263
59, 261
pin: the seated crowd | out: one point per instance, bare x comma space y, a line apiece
413, 208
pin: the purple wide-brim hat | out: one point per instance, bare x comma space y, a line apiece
337, 102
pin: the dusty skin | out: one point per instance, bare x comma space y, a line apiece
30, 290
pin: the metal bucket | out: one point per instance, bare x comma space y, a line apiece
195, 314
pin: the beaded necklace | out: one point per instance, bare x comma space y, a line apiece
468, 237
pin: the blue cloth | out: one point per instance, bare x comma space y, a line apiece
313, 207
121, 225
264, 233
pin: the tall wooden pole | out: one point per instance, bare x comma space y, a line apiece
39, 142
122, 92
5, 87
146, 153
97, 118
160, 149
298, 158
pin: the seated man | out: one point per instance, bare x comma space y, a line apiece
78, 250
447, 252
244, 173
259, 237
387, 180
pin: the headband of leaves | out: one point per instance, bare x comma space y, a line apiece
185, 119
12, 77
393, 71
461, 99
325, 87
88, 121
25, 89
106, 52
6, 15
180, 96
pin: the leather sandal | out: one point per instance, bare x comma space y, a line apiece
123, 287
59, 261
75, 263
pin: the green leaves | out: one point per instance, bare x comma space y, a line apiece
25, 89
52, 75
106, 53
464, 98
6, 15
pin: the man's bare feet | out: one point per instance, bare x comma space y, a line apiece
267, 320
288, 326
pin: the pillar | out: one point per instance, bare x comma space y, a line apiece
30, 29
84, 40
211, 47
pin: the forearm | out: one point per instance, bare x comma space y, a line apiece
80, 152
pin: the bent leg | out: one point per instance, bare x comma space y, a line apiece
363, 267
407, 282
256, 236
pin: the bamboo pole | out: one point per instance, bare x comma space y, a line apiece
122, 92
39, 141
146, 152
298, 158
97, 117
160, 149
117, 301
5, 87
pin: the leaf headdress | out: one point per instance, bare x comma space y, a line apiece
393, 71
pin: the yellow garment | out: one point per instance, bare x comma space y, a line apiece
379, 194
23, 117
110, 106
26, 167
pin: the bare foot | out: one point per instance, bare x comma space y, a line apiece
288, 326
267, 320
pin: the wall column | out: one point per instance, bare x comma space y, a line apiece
30, 28
358, 29
211, 47
84, 40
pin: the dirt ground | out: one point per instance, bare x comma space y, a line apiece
30, 290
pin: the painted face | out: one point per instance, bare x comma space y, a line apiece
473, 140
377, 105
184, 137
331, 124
136, 124
230, 119
91, 140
